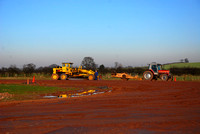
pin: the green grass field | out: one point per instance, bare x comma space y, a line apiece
187, 78
183, 65
25, 92
21, 77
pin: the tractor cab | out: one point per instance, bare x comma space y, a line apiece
155, 67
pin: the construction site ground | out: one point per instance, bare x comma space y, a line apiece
130, 107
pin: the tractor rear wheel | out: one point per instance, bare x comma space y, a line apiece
91, 77
148, 75
54, 76
164, 77
63, 76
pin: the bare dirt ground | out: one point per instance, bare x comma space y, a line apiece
131, 107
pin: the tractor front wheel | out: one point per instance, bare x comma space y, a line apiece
164, 77
63, 76
91, 77
54, 76
148, 75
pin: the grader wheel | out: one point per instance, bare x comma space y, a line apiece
63, 76
54, 76
91, 77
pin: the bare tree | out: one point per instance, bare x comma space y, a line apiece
186, 60
13, 70
28, 69
3, 71
102, 68
88, 63
116, 65
181, 60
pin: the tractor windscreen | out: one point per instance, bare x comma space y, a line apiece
159, 67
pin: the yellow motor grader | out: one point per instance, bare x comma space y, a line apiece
66, 71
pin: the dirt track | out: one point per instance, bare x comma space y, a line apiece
131, 107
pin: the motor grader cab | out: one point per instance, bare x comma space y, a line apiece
66, 71
155, 71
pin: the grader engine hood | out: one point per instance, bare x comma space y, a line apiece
55, 70
87, 71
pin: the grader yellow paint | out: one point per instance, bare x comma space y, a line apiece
66, 71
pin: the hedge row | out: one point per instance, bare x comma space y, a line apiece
10, 72
181, 71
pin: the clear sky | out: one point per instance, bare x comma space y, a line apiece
131, 32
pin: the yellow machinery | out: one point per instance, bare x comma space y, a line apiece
66, 71
125, 76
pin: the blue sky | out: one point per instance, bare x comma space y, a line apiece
131, 32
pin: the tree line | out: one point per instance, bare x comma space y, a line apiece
30, 69
87, 63
187, 70
27, 70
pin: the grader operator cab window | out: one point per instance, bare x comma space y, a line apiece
65, 65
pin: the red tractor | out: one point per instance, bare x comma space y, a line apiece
155, 72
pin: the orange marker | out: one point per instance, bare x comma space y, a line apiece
33, 81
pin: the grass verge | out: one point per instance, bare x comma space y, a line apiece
25, 92
187, 78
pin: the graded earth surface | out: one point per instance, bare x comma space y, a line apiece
129, 107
